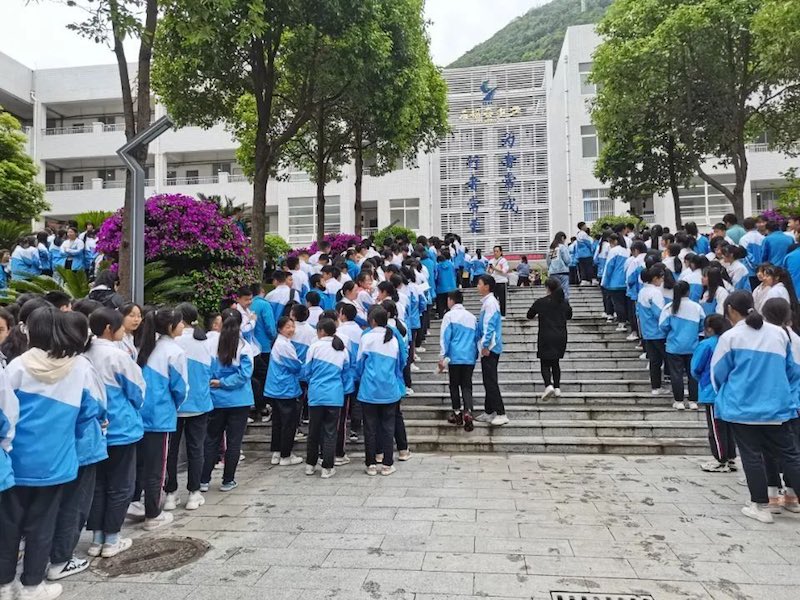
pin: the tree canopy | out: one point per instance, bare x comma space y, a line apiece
21, 196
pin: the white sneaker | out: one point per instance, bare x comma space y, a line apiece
195, 501
219, 465
310, 469
692, 405
73, 566
643, 356
136, 510
666, 391
341, 460
557, 392
160, 521
10, 591
621, 327
328, 473
414, 367
486, 417
421, 349
657, 392
714, 466
290, 461
678, 406
409, 391
171, 502
759, 513
548, 391
499, 420
276, 458
43, 591
94, 550
110, 550
386, 471
404, 455
372, 470
632, 337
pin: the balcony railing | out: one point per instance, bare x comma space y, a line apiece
238, 179
113, 185
192, 180
113, 127
368, 231
64, 187
68, 130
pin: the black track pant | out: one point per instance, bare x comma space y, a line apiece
460, 377
322, 424
285, 413
757, 441
551, 372
720, 436
113, 489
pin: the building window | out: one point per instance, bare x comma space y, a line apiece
587, 87
766, 199
107, 174
596, 204
303, 222
589, 142
192, 176
77, 182
405, 212
220, 167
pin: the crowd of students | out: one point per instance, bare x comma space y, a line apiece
97, 394
718, 315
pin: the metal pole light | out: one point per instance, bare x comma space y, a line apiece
137, 172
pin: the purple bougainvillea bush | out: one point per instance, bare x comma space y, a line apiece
339, 243
194, 239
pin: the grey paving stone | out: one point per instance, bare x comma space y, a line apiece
474, 562
305, 578
285, 557
389, 527
125, 591
435, 514
374, 558
401, 501
384, 581
523, 546
578, 566
262, 539
338, 540
742, 591
560, 532
661, 590
743, 552
691, 571
526, 586
478, 503
477, 529
431, 543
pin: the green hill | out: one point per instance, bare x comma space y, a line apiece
536, 35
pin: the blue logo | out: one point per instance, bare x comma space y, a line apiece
488, 93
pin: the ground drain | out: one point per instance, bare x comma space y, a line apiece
596, 596
152, 554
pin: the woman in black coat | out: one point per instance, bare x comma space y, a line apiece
553, 312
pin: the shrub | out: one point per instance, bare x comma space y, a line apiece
391, 233
97, 217
615, 220
275, 247
339, 243
10, 232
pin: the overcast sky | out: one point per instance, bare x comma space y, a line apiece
34, 32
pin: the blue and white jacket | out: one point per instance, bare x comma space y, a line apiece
125, 390
60, 412
701, 369
315, 312
304, 336
490, 325
73, 249
754, 374
701, 245
649, 306
695, 281
410, 299
445, 277
235, 389
328, 373
740, 275
167, 377
300, 283
792, 264
57, 258
633, 271
584, 245
378, 363
753, 243
715, 304
364, 302
279, 298
614, 271
477, 266
198, 360
430, 264
775, 246
25, 262
351, 333
361, 314
265, 329
332, 287
684, 328
9, 415
458, 336
283, 375
45, 260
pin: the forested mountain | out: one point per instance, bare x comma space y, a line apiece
536, 35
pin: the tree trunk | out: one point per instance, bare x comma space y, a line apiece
260, 180
320, 164
673, 183
359, 159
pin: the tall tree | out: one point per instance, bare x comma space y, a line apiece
111, 22
21, 196
218, 59
721, 91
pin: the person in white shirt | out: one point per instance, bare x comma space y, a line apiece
498, 269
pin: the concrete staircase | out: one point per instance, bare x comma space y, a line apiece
605, 406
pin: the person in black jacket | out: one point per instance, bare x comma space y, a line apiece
105, 290
553, 312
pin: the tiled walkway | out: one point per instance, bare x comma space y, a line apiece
458, 527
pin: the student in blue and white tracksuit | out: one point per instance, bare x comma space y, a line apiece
314, 309
116, 476
752, 243
350, 332
649, 306
350, 295
490, 346
232, 396
45, 260
634, 266
379, 362
613, 279
299, 277
477, 266
682, 320
284, 393
693, 275
715, 294
327, 370
264, 332
720, 433
166, 373
193, 414
445, 276
584, 253
59, 400
73, 249
25, 260
763, 414
282, 295
458, 354
775, 245
734, 259
9, 415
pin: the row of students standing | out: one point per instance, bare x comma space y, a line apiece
42, 253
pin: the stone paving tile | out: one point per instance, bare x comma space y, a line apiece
631, 549
733, 591
729, 552
691, 570
305, 578
474, 563
578, 566
383, 580
284, 557
523, 546
433, 543
337, 540
374, 558
125, 591
661, 590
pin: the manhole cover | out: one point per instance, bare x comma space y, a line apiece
596, 596
152, 554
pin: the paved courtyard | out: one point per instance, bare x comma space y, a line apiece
458, 527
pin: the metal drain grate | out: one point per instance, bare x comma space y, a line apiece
596, 596
152, 554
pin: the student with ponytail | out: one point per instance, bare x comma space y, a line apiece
649, 305
762, 420
733, 257
193, 414
682, 321
715, 294
166, 373
693, 275
327, 371
232, 397
350, 332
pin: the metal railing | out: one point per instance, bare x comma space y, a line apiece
238, 179
368, 231
64, 187
192, 180
113, 127
149, 183
113, 185
68, 130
